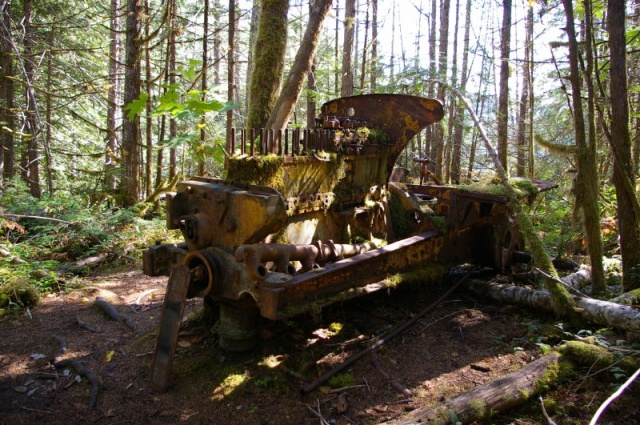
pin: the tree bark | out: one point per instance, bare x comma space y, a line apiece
31, 171
131, 126
269, 53
7, 142
204, 84
113, 98
586, 180
347, 48
495, 397
628, 218
590, 309
523, 113
503, 97
373, 67
458, 129
437, 145
301, 67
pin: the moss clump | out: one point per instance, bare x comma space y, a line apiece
18, 291
400, 220
428, 274
523, 188
596, 356
265, 170
342, 380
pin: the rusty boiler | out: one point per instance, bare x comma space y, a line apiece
304, 218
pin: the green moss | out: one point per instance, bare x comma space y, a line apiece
265, 170
432, 273
400, 220
342, 380
596, 356
523, 188
440, 223
479, 408
304, 176
18, 291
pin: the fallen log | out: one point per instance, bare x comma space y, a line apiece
592, 310
488, 399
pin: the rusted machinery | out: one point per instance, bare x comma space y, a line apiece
298, 220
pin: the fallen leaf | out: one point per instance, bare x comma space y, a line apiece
109, 356
184, 344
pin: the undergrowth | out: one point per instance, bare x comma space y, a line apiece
42, 239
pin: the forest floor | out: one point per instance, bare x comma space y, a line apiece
461, 344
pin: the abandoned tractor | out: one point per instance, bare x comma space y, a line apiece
304, 218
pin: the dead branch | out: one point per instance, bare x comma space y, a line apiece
82, 370
85, 325
35, 217
393, 380
113, 314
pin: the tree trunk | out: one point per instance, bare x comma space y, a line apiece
113, 98
347, 48
48, 107
131, 125
148, 181
458, 130
7, 142
586, 181
269, 51
599, 285
204, 83
171, 70
523, 113
503, 97
484, 401
373, 67
623, 173
437, 149
590, 309
301, 67
31, 171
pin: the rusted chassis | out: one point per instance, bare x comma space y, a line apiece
290, 228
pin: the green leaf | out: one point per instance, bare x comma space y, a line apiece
136, 107
175, 141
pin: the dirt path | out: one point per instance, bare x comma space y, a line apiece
461, 344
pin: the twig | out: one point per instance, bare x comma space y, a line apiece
560, 281
612, 397
343, 389
323, 421
544, 412
394, 381
144, 294
30, 409
85, 325
57, 220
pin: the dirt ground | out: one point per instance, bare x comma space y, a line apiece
459, 345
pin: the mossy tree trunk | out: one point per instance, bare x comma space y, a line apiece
623, 175
563, 304
301, 66
269, 51
587, 178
